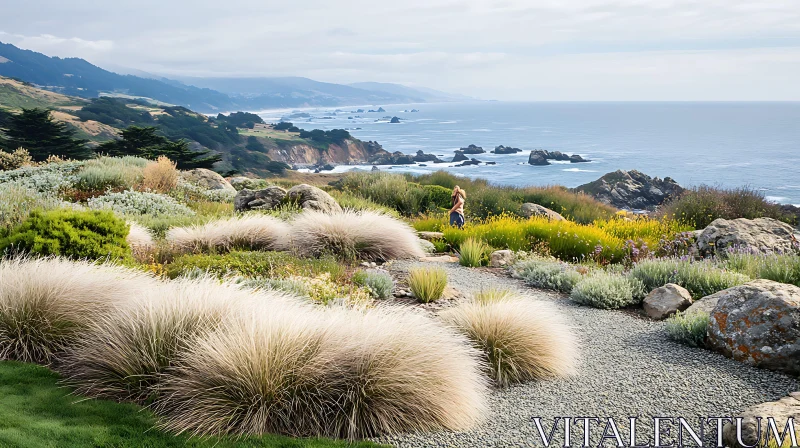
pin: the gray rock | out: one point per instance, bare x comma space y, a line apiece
758, 323
781, 410
431, 235
207, 179
537, 159
763, 235
265, 199
472, 149
667, 300
505, 150
529, 209
501, 258
706, 304
632, 190
312, 198
459, 156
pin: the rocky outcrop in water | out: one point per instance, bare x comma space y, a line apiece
394, 120
632, 190
537, 159
539, 155
505, 150
422, 157
459, 156
472, 149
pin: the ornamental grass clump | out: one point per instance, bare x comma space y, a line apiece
254, 232
45, 303
364, 235
17, 202
547, 274
700, 278
688, 328
122, 355
522, 339
607, 291
111, 172
783, 268
473, 253
427, 284
330, 372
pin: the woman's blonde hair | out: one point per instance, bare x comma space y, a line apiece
458, 190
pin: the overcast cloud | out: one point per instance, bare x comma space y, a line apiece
508, 50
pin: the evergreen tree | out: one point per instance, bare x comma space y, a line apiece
145, 142
36, 131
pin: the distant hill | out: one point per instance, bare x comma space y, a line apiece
77, 77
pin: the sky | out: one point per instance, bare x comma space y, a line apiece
529, 50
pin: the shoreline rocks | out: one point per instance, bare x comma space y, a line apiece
505, 150
541, 157
472, 149
632, 190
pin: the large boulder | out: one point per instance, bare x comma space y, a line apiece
422, 157
459, 156
632, 190
312, 198
666, 300
763, 235
537, 159
706, 304
505, 150
780, 411
758, 323
472, 149
529, 209
207, 179
265, 199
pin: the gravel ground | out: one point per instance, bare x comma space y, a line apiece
628, 367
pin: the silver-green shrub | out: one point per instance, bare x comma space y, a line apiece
132, 202
51, 178
547, 274
111, 172
379, 284
784, 268
17, 202
608, 291
700, 278
688, 328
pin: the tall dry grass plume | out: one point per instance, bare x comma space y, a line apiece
123, 354
331, 372
255, 232
160, 176
366, 235
45, 303
522, 339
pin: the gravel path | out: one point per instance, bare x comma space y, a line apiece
628, 367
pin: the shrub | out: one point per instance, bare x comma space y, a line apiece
547, 274
71, 233
17, 203
255, 265
473, 253
364, 235
700, 278
578, 207
14, 160
132, 202
390, 190
643, 230
111, 172
52, 178
427, 284
688, 328
334, 373
45, 303
521, 339
123, 354
254, 232
379, 284
430, 223
702, 205
438, 196
607, 291
160, 176
188, 192
783, 268
358, 203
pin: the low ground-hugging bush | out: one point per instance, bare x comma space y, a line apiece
688, 328
607, 290
380, 284
132, 202
253, 232
700, 278
72, 233
547, 274
427, 284
522, 339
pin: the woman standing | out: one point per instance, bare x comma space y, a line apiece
457, 211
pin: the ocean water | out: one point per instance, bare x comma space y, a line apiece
720, 144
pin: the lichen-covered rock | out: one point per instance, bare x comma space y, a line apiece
207, 179
763, 235
501, 258
666, 300
758, 323
265, 199
632, 190
313, 198
529, 209
780, 411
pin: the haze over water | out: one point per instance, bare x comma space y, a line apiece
722, 144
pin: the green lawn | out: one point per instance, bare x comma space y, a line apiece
36, 412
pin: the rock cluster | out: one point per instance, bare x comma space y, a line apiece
472, 149
542, 157
762, 235
505, 150
632, 190
758, 323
